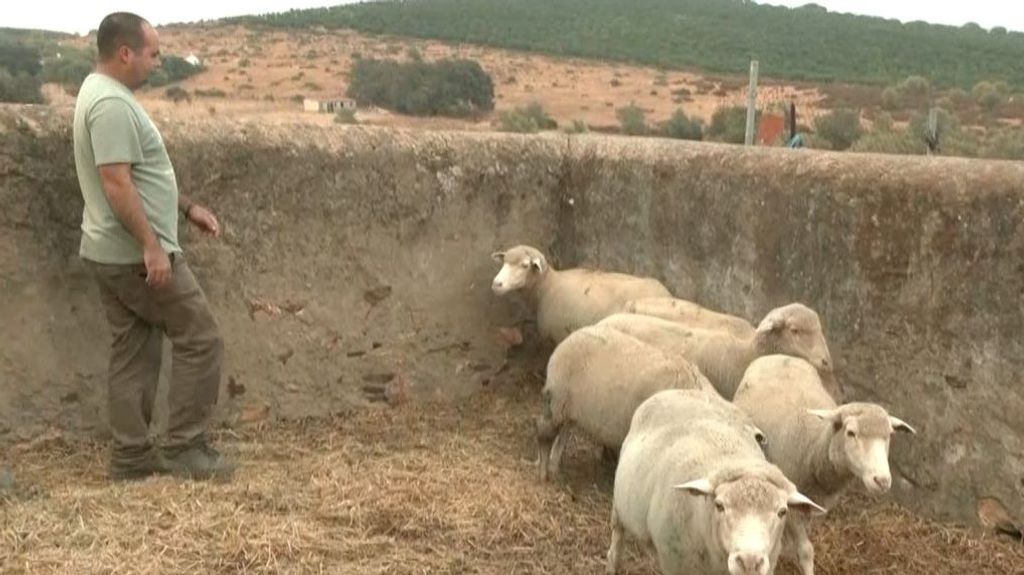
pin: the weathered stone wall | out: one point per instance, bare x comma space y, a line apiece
375, 245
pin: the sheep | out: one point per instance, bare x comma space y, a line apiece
793, 329
689, 314
595, 379
820, 446
692, 482
567, 300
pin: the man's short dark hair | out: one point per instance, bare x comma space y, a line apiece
117, 29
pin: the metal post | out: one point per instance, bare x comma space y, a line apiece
751, 103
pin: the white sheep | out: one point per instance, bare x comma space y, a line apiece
793, 329
820, 446
693, 482
596, 378
567, 300
689, 314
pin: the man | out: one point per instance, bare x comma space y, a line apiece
130, 242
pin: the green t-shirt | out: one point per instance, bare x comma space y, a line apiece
111, 127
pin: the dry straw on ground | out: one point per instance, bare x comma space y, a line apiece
414, 489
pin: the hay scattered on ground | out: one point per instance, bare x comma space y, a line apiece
415, 489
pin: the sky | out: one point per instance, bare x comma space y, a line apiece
80, 16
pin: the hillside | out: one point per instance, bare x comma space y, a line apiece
718, 36
265, 74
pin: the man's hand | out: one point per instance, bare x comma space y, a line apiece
204, 220
158, 266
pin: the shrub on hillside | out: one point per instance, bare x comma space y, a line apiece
890, 142
442, 88
840, 127
633, 120
1004, 144
682, 127
345, 116
526, 119
177, 94
729, 124
19, 59
20, 88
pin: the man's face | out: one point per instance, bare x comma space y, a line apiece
142, 63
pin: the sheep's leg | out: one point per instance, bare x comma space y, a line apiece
800, 545
547, 435
615, 549
557, 449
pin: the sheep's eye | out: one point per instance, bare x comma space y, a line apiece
782, 512
720, 506
851, 433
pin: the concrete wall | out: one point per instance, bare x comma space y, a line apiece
377, 241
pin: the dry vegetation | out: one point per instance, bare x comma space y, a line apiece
413, 489
265, 74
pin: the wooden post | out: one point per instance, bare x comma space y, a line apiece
792, 120
751, 103
932, 137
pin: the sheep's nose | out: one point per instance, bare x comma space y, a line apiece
750, 562
496, 284
883, 482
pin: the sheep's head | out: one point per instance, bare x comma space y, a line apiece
795, 330
748, 514
861, 441
522, 267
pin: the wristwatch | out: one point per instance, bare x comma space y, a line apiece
185, 210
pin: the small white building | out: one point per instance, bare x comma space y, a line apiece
328, 106
193, 59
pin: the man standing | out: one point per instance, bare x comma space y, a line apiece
130, 242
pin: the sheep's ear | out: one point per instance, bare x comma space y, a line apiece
900, 425
537, 264
803, 503
832, 415
498, 257
696, 487
770, 323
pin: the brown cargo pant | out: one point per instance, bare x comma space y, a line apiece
139, 316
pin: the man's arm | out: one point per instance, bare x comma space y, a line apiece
124, 201
198, 215
184, 204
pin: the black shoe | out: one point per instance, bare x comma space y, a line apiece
197, 461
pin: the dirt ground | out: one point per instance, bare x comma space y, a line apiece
410, 489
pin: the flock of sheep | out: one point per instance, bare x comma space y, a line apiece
728, 436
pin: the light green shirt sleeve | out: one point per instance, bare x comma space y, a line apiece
114, 133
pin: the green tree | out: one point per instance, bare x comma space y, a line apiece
446, 87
